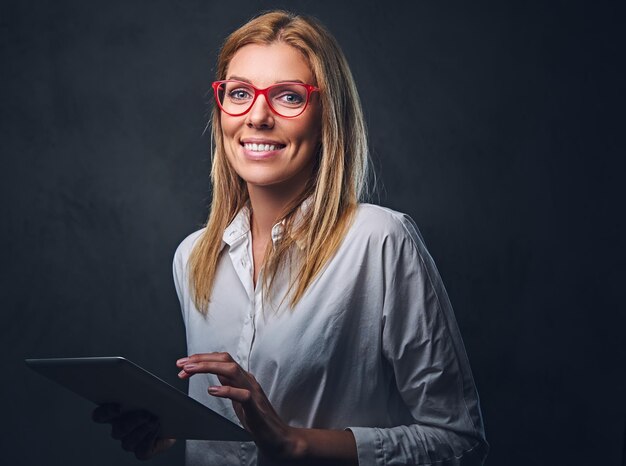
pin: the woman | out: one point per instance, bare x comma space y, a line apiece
320, 324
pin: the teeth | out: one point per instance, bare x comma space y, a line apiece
259, 147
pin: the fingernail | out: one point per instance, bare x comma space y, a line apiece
181, 373
213, 390
189, 367
182, 361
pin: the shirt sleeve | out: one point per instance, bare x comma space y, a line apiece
177, 272
422, 344
180, 272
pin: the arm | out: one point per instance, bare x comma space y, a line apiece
422, 345
274, 437
440, 395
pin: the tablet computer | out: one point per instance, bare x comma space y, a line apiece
118, 380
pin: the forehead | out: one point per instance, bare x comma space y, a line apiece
264, 65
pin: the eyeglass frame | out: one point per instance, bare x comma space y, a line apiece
264, 92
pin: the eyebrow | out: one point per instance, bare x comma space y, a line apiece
245, 80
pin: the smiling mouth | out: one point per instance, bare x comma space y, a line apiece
262, 147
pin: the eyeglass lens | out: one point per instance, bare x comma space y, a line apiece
287, 99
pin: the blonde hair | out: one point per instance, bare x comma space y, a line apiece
340, 176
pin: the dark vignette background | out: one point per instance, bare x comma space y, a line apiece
498, 126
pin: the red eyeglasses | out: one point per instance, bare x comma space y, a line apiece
287, 100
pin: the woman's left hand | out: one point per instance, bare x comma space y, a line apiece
271, 434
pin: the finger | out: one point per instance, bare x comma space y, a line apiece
105, 412
231, 370
141, 435
240, 395
199, 357
146, 447
192, 364
223, 380
128, 422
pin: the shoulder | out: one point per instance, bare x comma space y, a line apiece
186, 246
381, 223
394, 238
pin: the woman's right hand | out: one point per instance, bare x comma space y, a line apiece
137, 430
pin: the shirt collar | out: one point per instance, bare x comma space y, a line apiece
238, 229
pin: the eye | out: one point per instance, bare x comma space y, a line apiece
239, 94
289, 98
292, 98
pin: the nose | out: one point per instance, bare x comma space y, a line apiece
260, 115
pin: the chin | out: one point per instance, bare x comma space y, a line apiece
262, 182
261, 175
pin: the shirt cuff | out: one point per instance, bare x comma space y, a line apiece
369, 445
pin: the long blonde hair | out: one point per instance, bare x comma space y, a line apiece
340, 176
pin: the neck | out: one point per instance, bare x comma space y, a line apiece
267, 208
268, 204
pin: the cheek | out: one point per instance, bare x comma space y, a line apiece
309, 131
230, 139
314, 128
227, 127
231, 125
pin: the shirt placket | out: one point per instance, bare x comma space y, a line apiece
242, 262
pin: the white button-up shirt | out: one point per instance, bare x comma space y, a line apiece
373, 346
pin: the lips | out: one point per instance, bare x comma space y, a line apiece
261, 149
261, 145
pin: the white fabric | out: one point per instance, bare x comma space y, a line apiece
373, 346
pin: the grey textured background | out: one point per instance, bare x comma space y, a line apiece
498, 126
